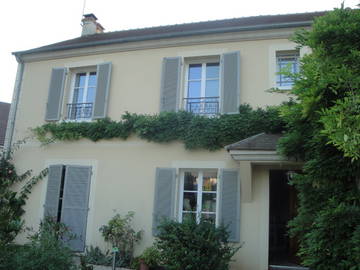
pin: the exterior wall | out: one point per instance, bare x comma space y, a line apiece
124, 171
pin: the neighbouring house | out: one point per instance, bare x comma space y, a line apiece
4, 113
206, 68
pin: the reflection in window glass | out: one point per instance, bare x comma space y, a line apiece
199, 196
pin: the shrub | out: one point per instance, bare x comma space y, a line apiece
46, 249
119, 233
192, 246
151, 257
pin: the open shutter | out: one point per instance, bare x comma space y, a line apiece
170, 84
230, 203
164, 200
55, 95
53, 190
76, 203
103, 74
230, 82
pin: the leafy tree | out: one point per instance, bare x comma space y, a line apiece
11, 201
323, 131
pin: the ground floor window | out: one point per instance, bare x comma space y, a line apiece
198, 195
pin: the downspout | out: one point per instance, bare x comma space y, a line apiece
14, 104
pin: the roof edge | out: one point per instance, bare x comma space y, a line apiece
166, 35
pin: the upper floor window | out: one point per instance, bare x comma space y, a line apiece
82, 97
202, 92
286, 61
199, 195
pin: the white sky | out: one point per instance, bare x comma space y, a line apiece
28, 24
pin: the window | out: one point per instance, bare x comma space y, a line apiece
199, 195
83, 96
286, 61
202, 93
85, 91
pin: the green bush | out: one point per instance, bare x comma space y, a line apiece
46, 249
94, 255
120, 234
151, 257
192, 246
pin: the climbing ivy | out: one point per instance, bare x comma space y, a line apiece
196, 132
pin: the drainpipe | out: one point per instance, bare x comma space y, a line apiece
14, 104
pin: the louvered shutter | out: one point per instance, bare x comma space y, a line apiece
76, 203
53, 190
164, 200
170, 84
230, 203
55, 95
103, 74
230, 97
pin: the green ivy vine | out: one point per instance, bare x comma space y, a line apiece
196, 132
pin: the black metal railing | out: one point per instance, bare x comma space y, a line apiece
202, 105
79, 111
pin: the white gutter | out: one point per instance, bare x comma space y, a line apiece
14, 104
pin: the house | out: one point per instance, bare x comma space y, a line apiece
4, 113
206, 68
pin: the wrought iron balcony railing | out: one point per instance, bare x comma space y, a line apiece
79, 111
202, 105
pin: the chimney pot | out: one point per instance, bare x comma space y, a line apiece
90, 25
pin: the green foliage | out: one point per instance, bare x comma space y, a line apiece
46, 249
192, 246
322, 131
151, 257
119, 233
197, 132
12, 202
94, 255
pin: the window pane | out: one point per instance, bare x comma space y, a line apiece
189, 216
194, 72
209, 181
212, 70
194, 89
78, 95
208, 217
80, 80
90, 95
191, 181
189, 202
92, 79
208, 202
212, 88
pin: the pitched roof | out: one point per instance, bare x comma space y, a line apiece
4, 114
183, 30
262, 141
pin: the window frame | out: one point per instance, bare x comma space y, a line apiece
71, 89
199, 193
203, 60
283, 54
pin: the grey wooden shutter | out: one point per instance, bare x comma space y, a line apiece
76, 203
103, 74
164, 200
230, 203
170, 84
53, 190
230, 81
55, 95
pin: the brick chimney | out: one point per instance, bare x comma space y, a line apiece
90, 26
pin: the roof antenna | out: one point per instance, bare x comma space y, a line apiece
83, 11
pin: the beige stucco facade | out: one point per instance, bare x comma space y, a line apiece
124, 171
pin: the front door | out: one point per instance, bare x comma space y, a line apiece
283, 204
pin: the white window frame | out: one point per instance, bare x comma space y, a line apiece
203, 61
286, 54
199, 193
74, 73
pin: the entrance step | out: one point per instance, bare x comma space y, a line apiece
284, 267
